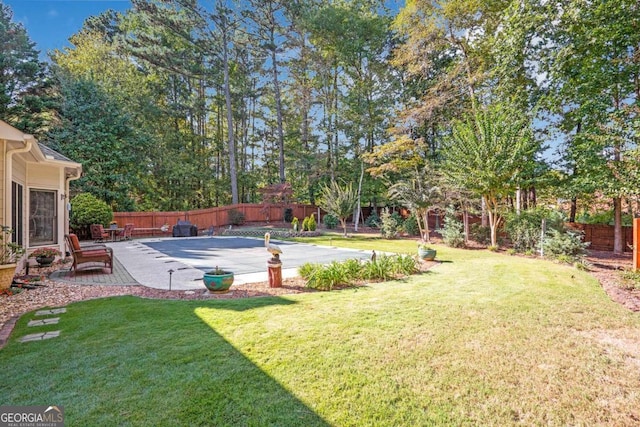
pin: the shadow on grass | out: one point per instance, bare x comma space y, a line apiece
245, 304
133, 361
250, 395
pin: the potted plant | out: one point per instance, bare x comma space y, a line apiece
45, 256
426, 252
218, 280
10, 253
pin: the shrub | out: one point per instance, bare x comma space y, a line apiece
410, 226
566, 246
312, 223
405, 265
306, 270
453, 230
380, 269
288, 215
330, 221
630, 279
87, 209
326, 277
525, 229
373, 220
390, 226
480, 233
236, 217
305, 224
398, 219
345, 273
10, 252
352, 268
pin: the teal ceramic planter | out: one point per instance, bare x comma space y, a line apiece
427, 254
218, 282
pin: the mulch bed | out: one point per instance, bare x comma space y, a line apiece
606, 267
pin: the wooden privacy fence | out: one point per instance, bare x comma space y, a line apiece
601, 236
151, 223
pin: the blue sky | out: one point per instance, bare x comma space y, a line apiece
50, 23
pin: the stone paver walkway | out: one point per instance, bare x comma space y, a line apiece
42, 322
39, 336
51, 311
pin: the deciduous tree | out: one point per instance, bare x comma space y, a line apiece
488, 154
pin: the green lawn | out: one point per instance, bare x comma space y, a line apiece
482, 339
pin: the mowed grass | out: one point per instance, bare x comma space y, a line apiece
481, 339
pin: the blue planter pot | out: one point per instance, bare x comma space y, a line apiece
218, 283
427, 254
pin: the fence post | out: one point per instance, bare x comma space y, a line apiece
636, 243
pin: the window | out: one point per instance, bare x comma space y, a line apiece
16, 212
42, 217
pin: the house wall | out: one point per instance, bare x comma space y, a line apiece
47, 177
44, 177
3, 150
23, 161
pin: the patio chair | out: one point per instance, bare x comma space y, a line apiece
98, 234
126, 232
89, 254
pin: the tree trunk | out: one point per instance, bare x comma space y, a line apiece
425, 217
574, 208
484, 213
276, 92
618, 240
494, 220
418, 221
465, 222
233, 172
358, 204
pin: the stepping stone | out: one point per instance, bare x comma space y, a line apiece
52, 311
42, 322
40, 336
